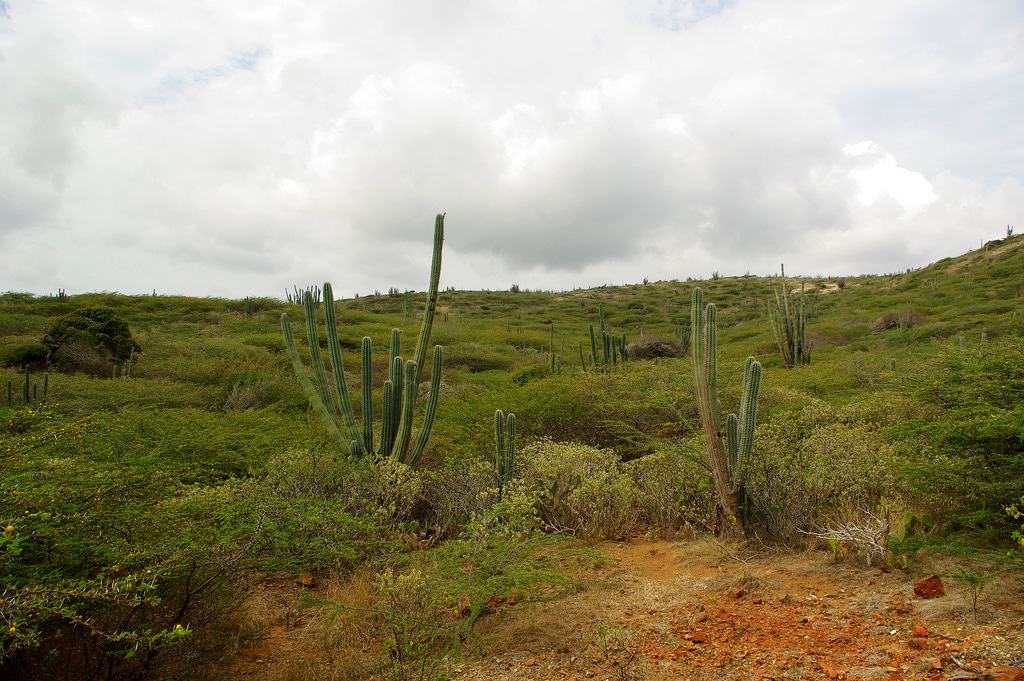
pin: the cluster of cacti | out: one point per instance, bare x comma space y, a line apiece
297, 296
606, 349
249, 306
407, 308
728, 444
555, 358
29, 389
399, 391
789, 324
504, 447
681, 332
62, 295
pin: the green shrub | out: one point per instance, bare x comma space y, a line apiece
966, 457
459, 491
33, 355
649, 349
88, 340
810, 469
581, 490
531, 373
673, 488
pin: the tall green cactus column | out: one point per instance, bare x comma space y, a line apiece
727, 448
334, 407
504, 447
789, 326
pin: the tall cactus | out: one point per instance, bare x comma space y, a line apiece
789, 325
728, 448
606, 349
504, 447
399, 391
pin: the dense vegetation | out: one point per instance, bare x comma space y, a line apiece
138, 511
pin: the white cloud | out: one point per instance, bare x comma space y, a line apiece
240, 147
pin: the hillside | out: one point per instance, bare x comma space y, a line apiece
143, 510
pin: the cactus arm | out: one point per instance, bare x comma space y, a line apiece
405, 423
338, 366
428, 312
593, 346
499, 447
396, 346
367, 388
308, 388
316, 359
431, 409
732, 443
711, 363
385, 419
510, 452
748, 413
397, 386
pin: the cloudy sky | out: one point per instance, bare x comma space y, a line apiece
237, 147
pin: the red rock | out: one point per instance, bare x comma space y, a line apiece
1004, 673
920, 630
929, 587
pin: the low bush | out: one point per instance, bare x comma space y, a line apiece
581, 490
649, 349
33, 355
810, 469
904, 319
88, 340
674, 489
965, 458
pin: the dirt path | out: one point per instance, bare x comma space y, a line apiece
687, 611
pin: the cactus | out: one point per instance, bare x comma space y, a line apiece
504, 447
296, 296
10, 394
789, 325
612, 347
249, 307
399, 391
728, 448
24, 391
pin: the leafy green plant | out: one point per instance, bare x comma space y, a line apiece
975, 582
581, 490
99, 328
1014, 511
32, 355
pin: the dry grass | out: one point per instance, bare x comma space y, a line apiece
329, 640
